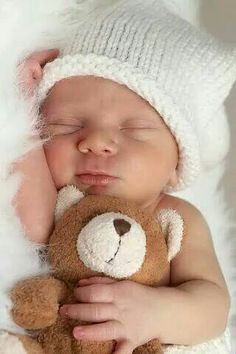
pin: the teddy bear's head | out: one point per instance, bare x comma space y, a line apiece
104, 235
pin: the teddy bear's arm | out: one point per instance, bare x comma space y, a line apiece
36, 302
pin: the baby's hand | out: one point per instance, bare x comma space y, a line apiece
31, 69
123, 308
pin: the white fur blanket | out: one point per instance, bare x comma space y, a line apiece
23, 24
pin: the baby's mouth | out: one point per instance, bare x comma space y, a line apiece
95, 180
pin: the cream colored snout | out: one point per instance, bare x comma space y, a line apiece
112, 243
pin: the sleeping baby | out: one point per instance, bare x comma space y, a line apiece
125, 106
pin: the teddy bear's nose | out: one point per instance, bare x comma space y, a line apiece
122, 226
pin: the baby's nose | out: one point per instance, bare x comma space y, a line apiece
99, 143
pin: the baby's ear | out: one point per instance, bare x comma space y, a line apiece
31, 69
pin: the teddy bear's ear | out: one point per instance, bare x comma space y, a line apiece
67, 196
172, 226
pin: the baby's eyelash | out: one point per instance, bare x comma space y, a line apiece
137, 128
54, 129
65, 125
140, 124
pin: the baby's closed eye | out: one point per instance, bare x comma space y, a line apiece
138, 130
53, 129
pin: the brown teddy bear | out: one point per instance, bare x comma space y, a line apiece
94, 236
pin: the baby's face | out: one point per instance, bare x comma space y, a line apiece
107, 140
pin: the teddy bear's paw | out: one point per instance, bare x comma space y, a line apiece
36, 302
10, 343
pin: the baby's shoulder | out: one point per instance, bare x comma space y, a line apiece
197, 258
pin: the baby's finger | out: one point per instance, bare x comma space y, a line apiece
96, 280
90, 312
37, 73
45, 56
99, 332
124, 347
95, 293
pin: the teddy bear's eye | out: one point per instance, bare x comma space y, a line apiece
122, 226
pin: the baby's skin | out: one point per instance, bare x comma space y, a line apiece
35, 207
105, 139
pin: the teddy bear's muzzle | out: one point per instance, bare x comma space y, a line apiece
112, 243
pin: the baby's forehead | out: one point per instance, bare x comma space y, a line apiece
89, 93
78, 86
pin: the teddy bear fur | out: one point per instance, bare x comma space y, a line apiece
36, 301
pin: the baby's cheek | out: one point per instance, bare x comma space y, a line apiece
59, 164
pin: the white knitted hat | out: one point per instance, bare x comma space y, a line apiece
183, 73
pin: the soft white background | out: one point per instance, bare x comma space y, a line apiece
219, 16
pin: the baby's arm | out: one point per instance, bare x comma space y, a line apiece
194, 309
36, 197
198, 302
